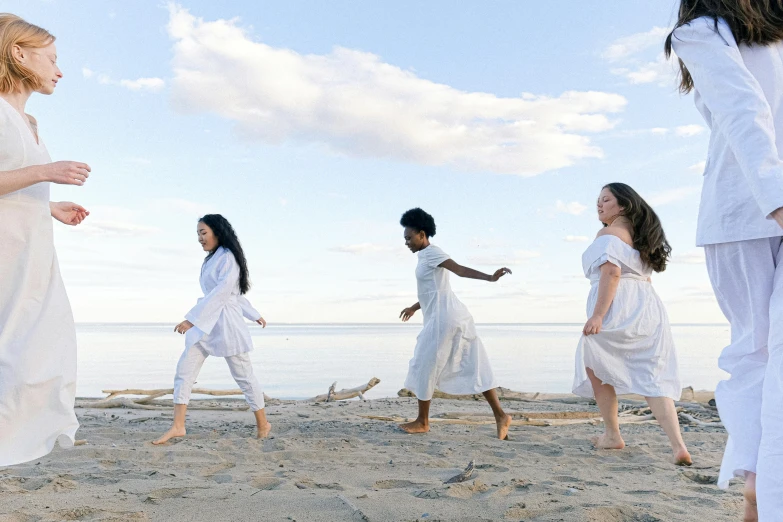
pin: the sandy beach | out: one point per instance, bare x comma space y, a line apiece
328, 461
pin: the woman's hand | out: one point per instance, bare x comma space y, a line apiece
66, 172
68, 213
407, 313
593, 325
262, 322
183, 327
500, 272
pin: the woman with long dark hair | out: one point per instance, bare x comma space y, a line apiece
627, 345
215, 325
731, 57
449, 355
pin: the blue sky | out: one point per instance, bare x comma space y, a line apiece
313, 126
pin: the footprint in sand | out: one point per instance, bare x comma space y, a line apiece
466, 490
619, 514
266, 483
86, 513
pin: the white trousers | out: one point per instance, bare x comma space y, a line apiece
241, 370
747, 277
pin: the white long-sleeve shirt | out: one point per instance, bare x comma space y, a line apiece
739, 92
217, 317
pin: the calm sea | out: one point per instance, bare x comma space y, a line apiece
299, 361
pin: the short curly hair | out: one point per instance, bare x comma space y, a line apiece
419, 220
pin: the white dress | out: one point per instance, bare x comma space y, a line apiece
37, 334
217, 317
634, 352
449, 355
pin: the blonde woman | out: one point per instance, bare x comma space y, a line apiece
37, 335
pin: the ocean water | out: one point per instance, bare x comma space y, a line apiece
300, 361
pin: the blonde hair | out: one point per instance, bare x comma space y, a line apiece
15, 31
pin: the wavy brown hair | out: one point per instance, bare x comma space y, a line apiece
648, 236
752, 22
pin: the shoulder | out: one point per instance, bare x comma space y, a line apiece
703, 29
618, 232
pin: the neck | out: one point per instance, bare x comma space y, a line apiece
18, 99
613, 219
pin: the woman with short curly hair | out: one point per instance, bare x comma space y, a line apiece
449, 355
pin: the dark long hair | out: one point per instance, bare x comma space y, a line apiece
228, 239
752, 22
648, 236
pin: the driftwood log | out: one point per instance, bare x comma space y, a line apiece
114, 399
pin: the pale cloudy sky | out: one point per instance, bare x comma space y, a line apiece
312, 126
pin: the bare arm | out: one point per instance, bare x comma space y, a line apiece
464, 271
407, 313
61, 172
607, 289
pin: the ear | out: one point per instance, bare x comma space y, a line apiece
18, 53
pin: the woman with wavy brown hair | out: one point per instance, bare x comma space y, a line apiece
731, 56
627, 345
37, 334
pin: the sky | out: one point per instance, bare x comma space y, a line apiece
313, 126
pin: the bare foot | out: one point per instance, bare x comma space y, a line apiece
503, 425
751, 510
682, 458
415, 427
262, 434
606, 442
172, 433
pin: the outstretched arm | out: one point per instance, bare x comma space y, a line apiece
464, 271
61, 172
607, 289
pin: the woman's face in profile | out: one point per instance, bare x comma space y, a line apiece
608, 207
43, 62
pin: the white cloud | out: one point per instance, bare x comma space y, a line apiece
363, 249
673, 195
115, 228
635, 43
576, 239
144, 84
687, 131
660, 131
355, 104
693, 257
87, 73
661, 71
516, 258
698, 168
574, 208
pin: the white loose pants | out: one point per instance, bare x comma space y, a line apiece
747, 277
241, 369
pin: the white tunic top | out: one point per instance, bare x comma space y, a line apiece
634, 352
739, 92
37, 334
448, 355
217, 317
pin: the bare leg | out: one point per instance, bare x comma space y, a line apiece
422, 422
666, 415
606, 398
751, 510
263, 426
177, 427
501, 419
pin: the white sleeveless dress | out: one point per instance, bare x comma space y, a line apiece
634, 352
37, 334
449, 355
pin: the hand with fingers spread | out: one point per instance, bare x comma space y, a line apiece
68, 213
66, 172
593, 325
183, 327
407, 313
500, 272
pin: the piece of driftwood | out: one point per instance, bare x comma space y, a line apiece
114, 399
465, 475
698, 422
348, 393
